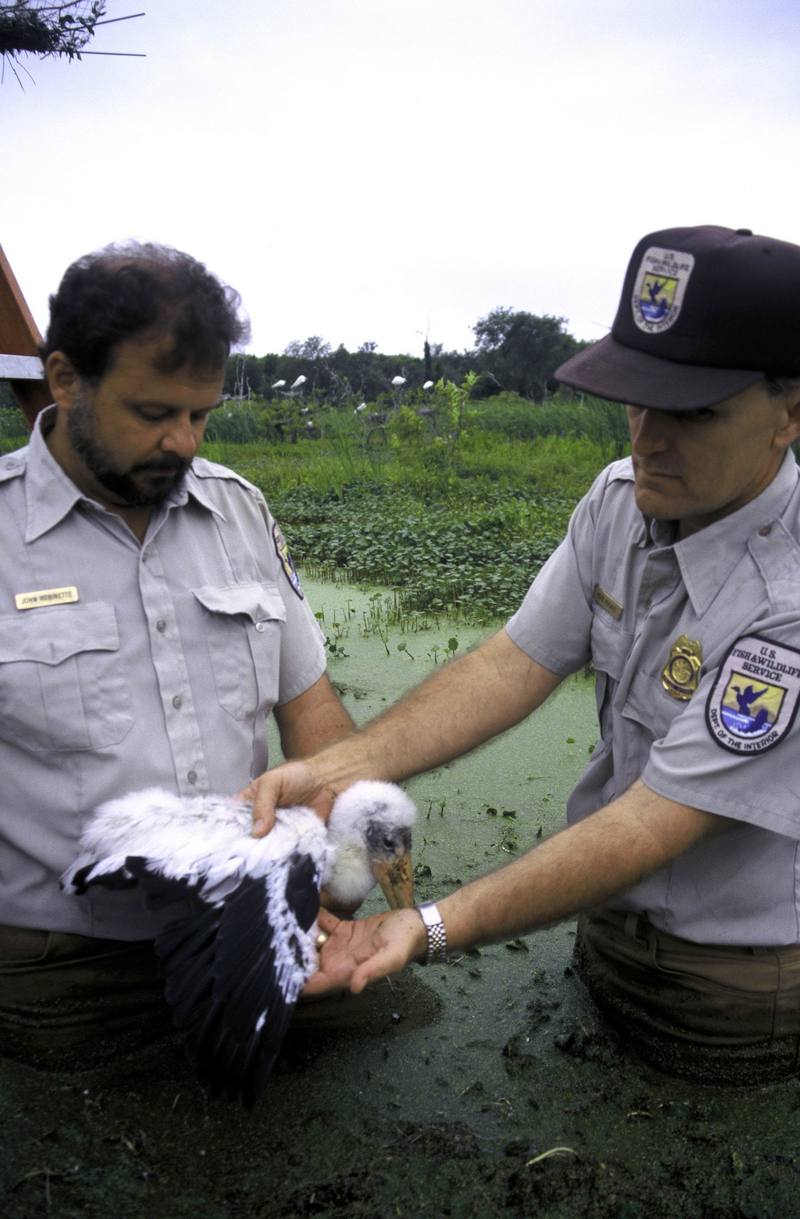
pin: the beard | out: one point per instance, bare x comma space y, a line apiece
141, 485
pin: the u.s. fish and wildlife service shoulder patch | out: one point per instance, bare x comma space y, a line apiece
282, 551
754, 700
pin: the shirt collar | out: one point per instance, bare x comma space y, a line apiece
51, 494
707, 558
194, 487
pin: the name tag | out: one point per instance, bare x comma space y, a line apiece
46, 596
607, 602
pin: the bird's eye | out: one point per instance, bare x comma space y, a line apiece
389, 842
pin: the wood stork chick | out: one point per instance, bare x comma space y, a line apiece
235, 965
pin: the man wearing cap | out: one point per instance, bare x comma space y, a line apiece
679, 579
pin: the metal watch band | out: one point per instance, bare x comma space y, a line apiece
435, 932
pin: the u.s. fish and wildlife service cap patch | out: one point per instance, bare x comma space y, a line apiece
282, 551
755, 697
659, 288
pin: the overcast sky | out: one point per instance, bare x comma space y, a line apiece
389, 169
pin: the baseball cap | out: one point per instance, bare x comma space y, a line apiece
705, 312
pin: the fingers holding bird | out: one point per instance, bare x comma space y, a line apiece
361, 951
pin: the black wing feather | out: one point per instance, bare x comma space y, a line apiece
302, 890
119, 879
222, 963
222, 970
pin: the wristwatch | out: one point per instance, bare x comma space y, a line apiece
434, 930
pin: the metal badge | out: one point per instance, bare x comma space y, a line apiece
680, 676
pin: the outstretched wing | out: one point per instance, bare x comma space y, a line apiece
234, 969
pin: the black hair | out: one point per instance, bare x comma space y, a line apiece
127, 291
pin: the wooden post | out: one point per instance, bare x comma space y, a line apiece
19, 336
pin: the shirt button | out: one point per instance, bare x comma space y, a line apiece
192, 776
161, 625
765, 531
177, 701
261, 626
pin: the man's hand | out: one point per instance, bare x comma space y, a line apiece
287, 785
362, 950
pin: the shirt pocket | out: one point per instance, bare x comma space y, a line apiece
61, 681
242, 626
611, 647
650, 705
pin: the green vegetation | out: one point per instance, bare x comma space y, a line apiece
457, 507
13, 428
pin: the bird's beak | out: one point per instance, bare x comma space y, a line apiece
396, 878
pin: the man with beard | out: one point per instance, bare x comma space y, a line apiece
151, 619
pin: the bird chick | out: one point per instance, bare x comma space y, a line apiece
369, 833
235, 965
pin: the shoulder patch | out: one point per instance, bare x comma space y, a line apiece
282, 551
754, 700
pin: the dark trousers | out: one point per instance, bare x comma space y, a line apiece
712, 1013
68, 1002
76, 1001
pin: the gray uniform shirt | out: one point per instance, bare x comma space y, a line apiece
125, 666
721, 735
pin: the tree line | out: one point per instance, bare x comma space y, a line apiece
514, 350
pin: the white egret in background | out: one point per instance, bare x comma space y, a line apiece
428, 385
278, 384
362, 406
301, 380
398, 381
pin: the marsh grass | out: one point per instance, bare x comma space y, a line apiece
456, 524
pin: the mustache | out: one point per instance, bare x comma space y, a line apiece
649, 467
166, 465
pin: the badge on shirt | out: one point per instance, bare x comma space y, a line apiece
282, 551
46, 596
680, 676
754, 700
607, 602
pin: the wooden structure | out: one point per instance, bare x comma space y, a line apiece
19, 340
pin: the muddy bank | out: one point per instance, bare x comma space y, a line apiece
482, 1087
